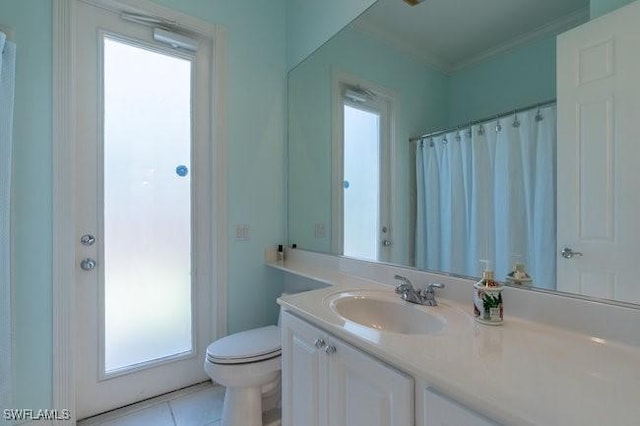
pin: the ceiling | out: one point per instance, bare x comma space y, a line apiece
451, 34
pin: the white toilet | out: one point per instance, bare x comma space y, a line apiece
248, 365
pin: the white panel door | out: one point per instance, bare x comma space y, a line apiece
364, 391
143, 207
303, 373
598, 153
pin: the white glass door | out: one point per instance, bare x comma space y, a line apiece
143, 281
361, 214
147, 205
365, 179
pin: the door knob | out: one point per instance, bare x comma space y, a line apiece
88, 264
568, 253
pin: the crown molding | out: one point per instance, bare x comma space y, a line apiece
411, 49
555, 27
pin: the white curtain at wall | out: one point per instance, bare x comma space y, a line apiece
488, 192
7, 76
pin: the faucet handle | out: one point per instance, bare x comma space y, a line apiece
431, 286
428, 296
402, 278
405, 286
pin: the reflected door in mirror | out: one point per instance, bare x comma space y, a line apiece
364, 198
598, 105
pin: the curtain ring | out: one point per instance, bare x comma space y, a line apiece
445, 140
458, 137
539, 116
516, 122
481, 130
498, 126
431, 144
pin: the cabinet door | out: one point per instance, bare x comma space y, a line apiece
442, 411
303, 375
366, 392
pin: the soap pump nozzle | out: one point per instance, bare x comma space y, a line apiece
487, 273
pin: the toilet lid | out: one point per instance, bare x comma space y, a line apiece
247, 346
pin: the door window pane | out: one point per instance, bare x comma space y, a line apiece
147, 205
361, 183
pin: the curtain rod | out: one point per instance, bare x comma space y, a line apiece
482, 121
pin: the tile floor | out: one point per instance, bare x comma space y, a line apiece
199, 405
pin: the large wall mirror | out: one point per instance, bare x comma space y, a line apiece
442, 136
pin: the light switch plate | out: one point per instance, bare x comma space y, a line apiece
243, 232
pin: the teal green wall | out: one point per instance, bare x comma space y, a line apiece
600, 7
511, 80
421, 94
31, 21
311, 23
256, 72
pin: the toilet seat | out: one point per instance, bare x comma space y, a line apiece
245, 347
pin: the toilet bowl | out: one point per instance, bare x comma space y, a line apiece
248, 365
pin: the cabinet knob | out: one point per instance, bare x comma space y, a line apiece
330, 350
319, 343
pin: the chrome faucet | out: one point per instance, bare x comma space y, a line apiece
421, 297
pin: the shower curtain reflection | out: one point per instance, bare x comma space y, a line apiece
488, 192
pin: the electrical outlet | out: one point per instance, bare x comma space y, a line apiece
243, 232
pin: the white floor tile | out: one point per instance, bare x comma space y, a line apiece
199, 408
157, 415
199, 405
137, 414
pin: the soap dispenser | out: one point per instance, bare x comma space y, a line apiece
487, 298
519, 274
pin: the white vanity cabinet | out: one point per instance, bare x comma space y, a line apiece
442, 411
327, 382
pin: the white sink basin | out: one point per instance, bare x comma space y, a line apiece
385, 312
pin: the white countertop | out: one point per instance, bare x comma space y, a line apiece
520, 373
